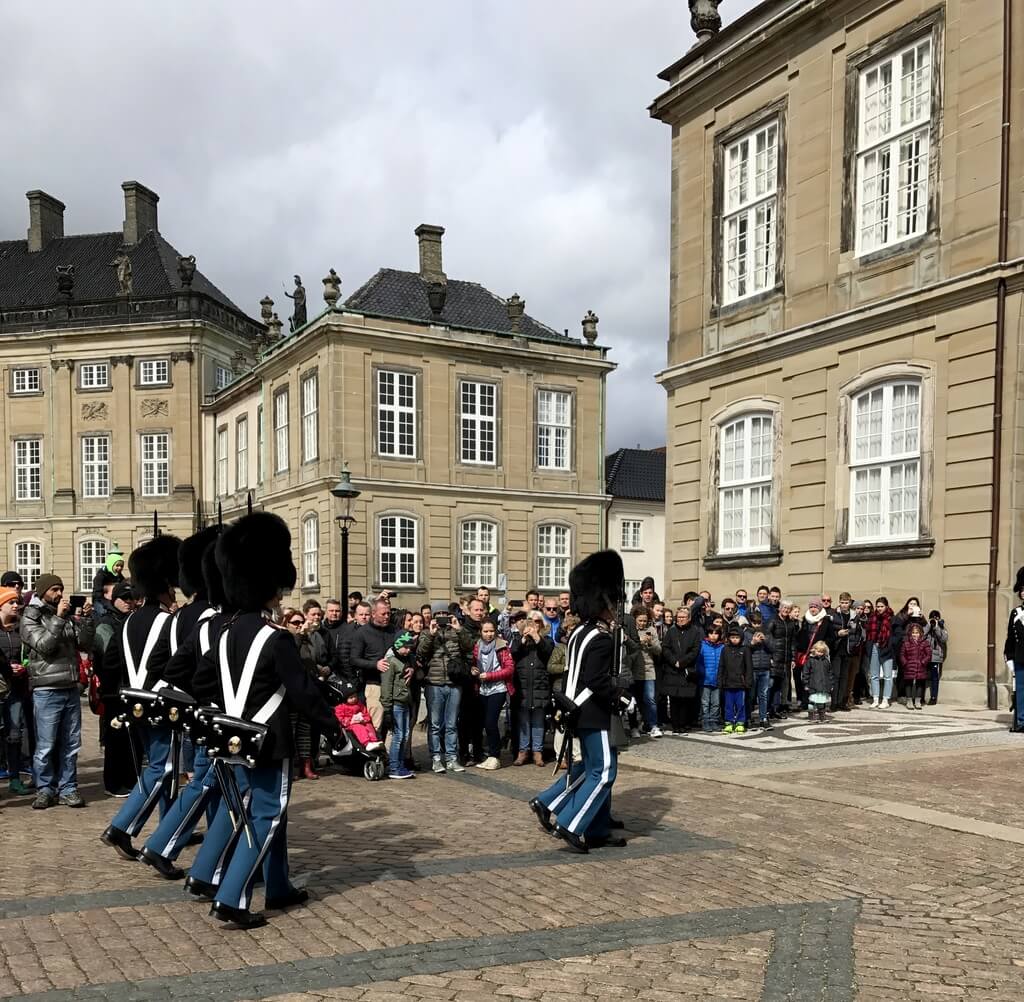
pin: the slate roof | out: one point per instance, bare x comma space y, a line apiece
403, 295
636, 474
30, 280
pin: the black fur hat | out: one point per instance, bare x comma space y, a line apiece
254, 555
1018, 586
190, 561
153, 566
212, 580
597, 583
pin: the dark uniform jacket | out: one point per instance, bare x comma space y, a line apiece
278, 666
1013, 649
592, 670
138, 627
184, 663
186, 620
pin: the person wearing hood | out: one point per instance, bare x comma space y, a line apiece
735, 675
112, 572
53, 635
816, 625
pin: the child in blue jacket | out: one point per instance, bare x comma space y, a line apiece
707, 669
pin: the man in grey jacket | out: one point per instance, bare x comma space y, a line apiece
53, 636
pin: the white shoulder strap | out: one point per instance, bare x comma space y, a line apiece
174, 635
137, 676
204, 638
575, 661
206, 614
234, 700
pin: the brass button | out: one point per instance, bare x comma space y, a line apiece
235, 745
137, 710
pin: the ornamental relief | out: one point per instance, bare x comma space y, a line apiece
94, 411
154, 407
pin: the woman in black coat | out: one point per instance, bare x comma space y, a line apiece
531, 651
679, 651
782, 631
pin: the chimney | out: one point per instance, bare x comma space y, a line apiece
139, 211
45, 219
430, 252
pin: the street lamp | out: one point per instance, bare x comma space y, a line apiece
346, 493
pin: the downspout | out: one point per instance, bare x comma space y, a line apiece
1000, 356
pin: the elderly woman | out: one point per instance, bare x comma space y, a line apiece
678, 681
782, 632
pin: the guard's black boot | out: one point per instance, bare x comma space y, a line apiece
200, 888
196, 838
295, 896
543, 815
162, 865
607, 842
121, 842
575, 842
616, 823
241, 917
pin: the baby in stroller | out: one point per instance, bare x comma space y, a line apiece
360, 742
353, 715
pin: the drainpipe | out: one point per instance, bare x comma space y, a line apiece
1000, 356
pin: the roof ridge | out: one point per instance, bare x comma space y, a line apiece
610, 478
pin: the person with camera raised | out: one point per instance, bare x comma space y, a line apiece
440, 652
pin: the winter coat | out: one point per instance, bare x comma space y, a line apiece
345, 712
878, 631
938, 637
556, 663
531, 676
817, 674
901, 624
768, 612
649, 654
760, 653
915, 657
394, 688
109, 675
734, 667
441, 655
814, 628
52, 645
370, 643
679, 655
707, 663
783, 634
851, 643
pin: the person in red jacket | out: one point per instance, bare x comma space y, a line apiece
915, 660
355, 717
493, 669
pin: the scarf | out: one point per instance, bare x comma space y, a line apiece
879, 628
487, 656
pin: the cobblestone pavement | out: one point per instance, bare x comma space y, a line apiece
444, 888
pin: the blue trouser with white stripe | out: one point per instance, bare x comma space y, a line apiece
178, 823
270, 787
154, 785
222, 836
584, 805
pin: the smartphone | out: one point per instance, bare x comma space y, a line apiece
77, 601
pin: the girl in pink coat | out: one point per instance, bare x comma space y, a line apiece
355, 717
915, 660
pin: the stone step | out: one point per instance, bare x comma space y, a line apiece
970, 693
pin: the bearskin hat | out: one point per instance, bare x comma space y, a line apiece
1018, 586
153, 566
190, 560
597, 583
254, 555
213, 583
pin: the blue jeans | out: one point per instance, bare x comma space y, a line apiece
531, 729
443, 708
58, 717
878, 666
398, 736
735, 706
762, 686
710, 697
650, 703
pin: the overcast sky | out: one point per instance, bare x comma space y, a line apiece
294, 137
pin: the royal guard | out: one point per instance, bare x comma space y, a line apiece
1013, 653
577, 808
253, 672
142, 648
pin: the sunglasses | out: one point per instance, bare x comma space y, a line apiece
295, 622
742, 597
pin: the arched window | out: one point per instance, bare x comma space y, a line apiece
310, 551
28, 561
479, 539
397, 547
91, 555
745, 470
554, 556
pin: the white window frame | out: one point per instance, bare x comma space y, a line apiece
396, 414
95, 466
94, 375
155, 461
310, 398
554, 555
898, 201
478, 422
281, 405
221, 377
242, 453
28, 469
26, 380
310, 551
749, 490
894, 465
631, 532
398, 550
750, 212
221, 463
478, 538
28, 562
88, 566
154, 371
554, 430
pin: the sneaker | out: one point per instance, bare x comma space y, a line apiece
437, 766
4, 774
453, 766
740, 729
884, 705
401, 774
18, 788
728, 728
634, 732
72, 799
490, 763
43, 800
874, 705
766, 725
655, 732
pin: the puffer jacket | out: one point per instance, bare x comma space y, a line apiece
938, 637
817, 673
734, 668
782, 633
51, 645
915, 658
441, 655
707, 663
679, 655
760, 653
532, 679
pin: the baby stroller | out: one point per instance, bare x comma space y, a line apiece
350, 752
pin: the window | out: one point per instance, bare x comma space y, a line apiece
396, 414
91, 556
632, 587
310, 430
894, 102
25, 381
28, 562
281, 431
631, 533
241, 454
221, 473
93, 376
154, 372
477, 422
310, 550
885, 463
96, 466
750, 212
554, 432
479, 554
156, 465
397, 545
553, 544
259, 444
221, 377
28, 469
745, 484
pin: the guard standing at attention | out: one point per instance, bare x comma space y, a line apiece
254, 673
1013, 654
142, 648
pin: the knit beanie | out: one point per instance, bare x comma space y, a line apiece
8, 595
45, 582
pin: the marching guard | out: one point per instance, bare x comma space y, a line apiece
254, 674
577, 808
1013, 653
143, 648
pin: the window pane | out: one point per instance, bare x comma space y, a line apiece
912, 196
915, 102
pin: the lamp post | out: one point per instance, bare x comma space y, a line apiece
346, 493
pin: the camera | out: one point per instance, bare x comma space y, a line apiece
443, 620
